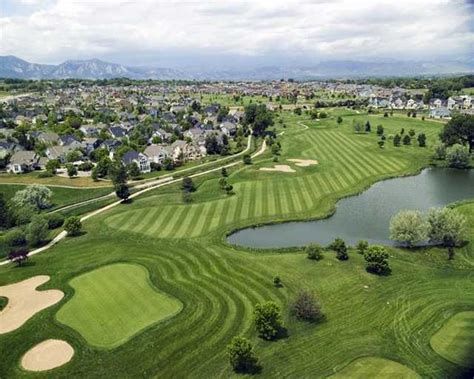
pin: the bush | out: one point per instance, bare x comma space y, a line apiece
18, 256
15, 237
376, 258
73, 226
306, 307
155, 166
247, 159
314, 251
268, 320
55, 220
458, 156
362, 246
86, 166
241, 355
406, 139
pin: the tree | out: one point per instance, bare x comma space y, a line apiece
362, 247
314, 251
306, 308
439, 151
187, 185
459, 130
381, 143
71, 170
4, 212
52, 165
412, 132
15, 237
37, 230
18, 256
118, 173
380, 130
339, 246
229, 189
94, 175
406, 139
36, 196
133, 170
421, 139
103, 167
268, 321
396, 140
446, 226
458, 156
368, 127
224, 172
408, 227
247, 159
339, 120
122, 191
258, 117
376, 258
241, 355
55, 220
73, 226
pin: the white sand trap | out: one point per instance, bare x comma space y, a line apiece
47, 355
303, 162
278, 167
24, 302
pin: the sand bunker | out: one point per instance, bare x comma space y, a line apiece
303, 162
278, 167
24, 302
47, 355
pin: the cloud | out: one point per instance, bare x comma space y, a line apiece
310, 30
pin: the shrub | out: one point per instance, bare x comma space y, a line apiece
37, 230
18, 256
73, 226
396, 140
421, 139
55, 220
268, 321
45, 174
86, 166
241, 355
376, 258
439, 151
188, 185
155, 166
406, 139
306, 307
314, 251
362, 246
247, 159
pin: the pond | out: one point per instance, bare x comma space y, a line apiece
367, 215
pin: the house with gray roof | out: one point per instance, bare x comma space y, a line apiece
23, 161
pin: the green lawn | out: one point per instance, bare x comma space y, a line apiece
183, 248
113, 303
372, 367
455, 340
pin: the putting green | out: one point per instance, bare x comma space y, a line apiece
113, 303
373, 367
455, 340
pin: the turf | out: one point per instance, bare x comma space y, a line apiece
372, 367
183, 248
113, 303
455, 340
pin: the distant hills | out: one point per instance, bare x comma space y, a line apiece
13, 67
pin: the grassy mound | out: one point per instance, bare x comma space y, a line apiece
372, 367
455, 340
113, 303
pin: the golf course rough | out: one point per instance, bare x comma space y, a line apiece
373, 367
113, 303
455, 340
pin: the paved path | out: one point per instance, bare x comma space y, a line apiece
150, 186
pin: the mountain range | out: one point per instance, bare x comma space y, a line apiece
14, 67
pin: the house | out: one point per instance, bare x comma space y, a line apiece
140, 159
228, 128
7, 148
70, 141
440, 113
157, 153
48, 138
193, 133
111, 145
58, 152
117, 132
90, 144
23, 161
436, 103
89, 130
181, 150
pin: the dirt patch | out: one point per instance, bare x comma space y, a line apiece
24, 302
47, 355
303, 162
279, 168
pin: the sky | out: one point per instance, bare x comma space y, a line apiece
236, 33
